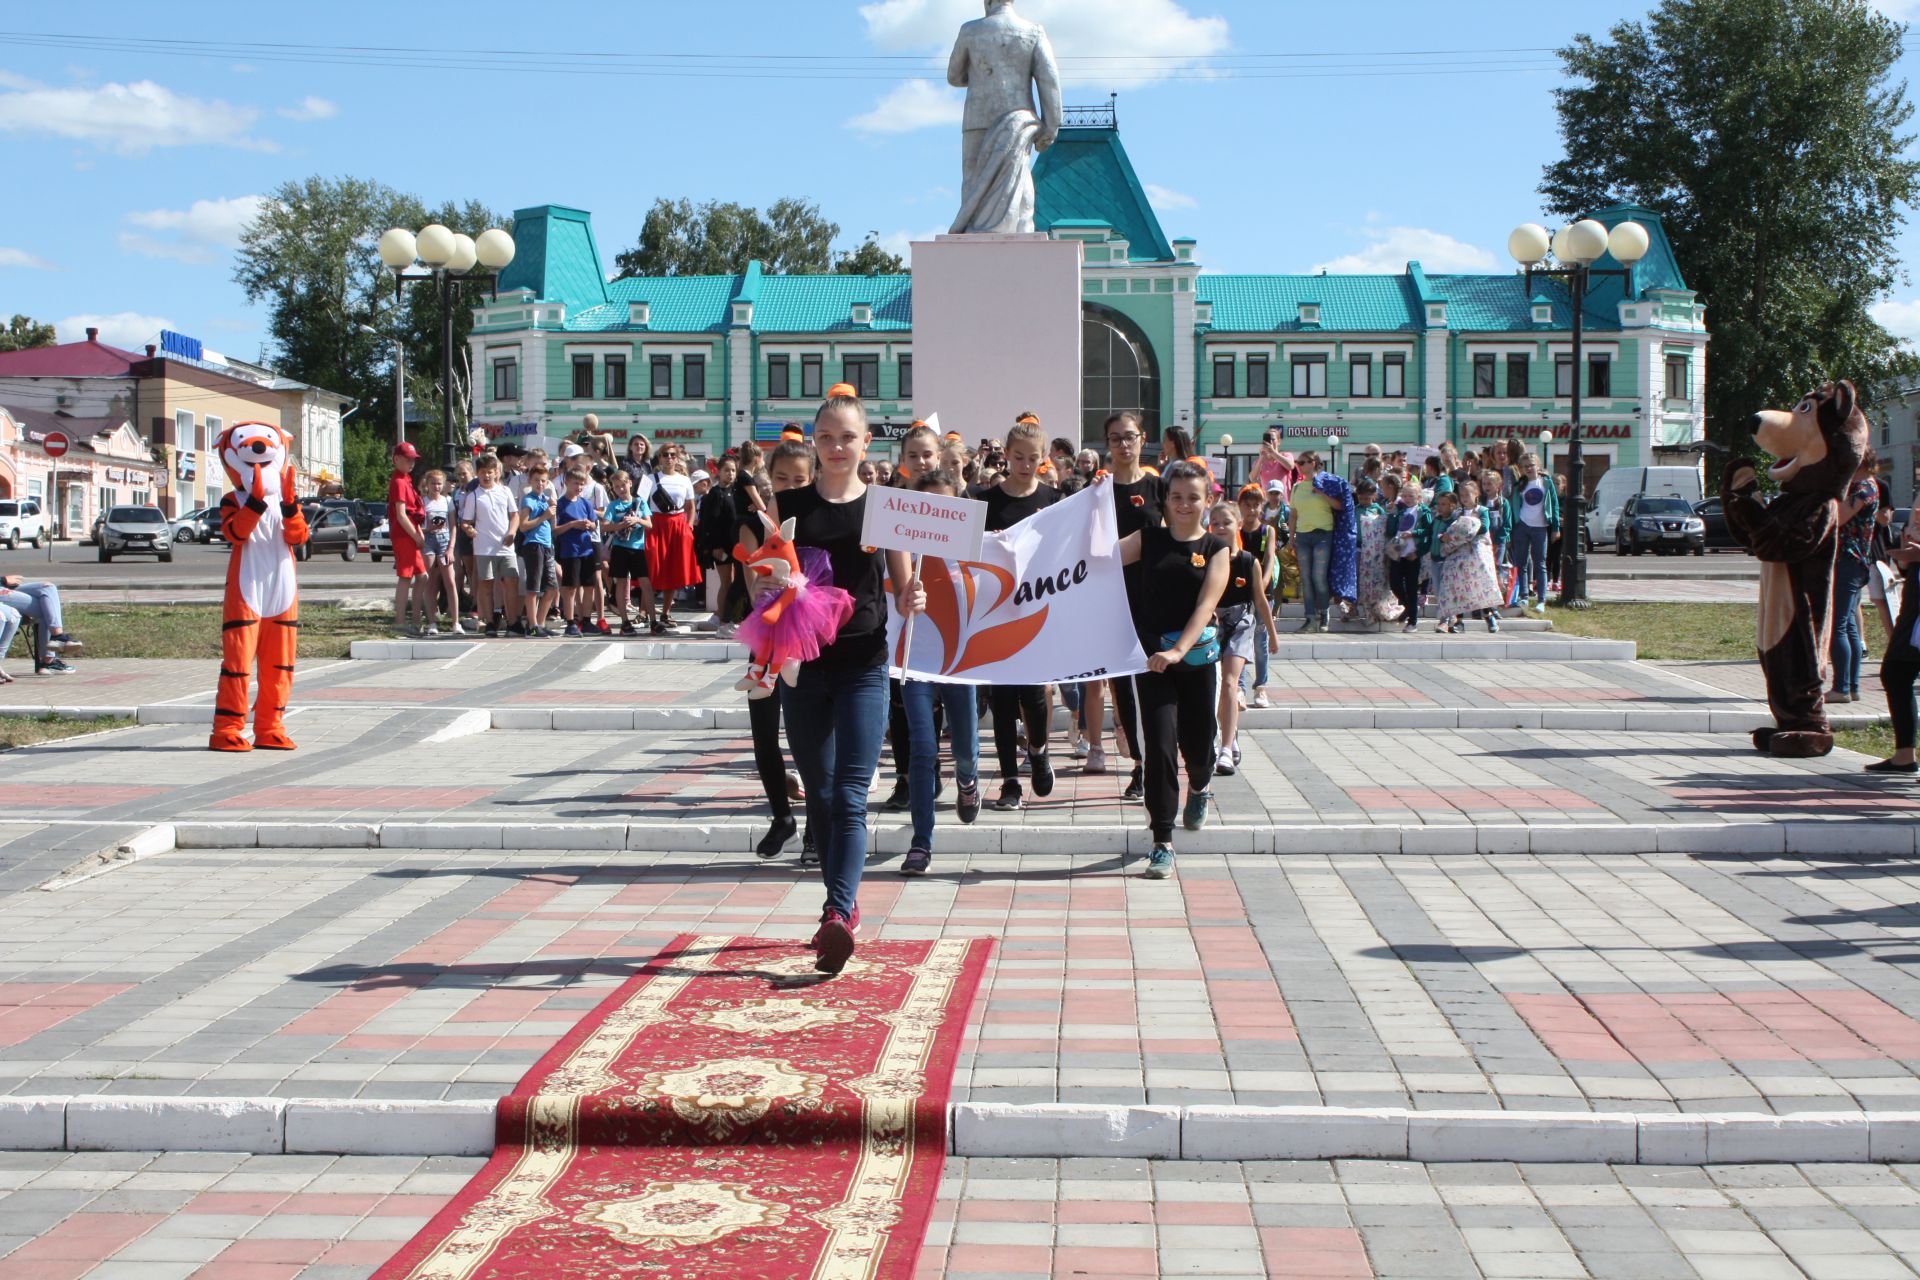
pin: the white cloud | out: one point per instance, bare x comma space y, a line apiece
28, 261
1391, 248
211, 223
128, 329
126, 118
911, 105
1901, 319
1144, 39
1164, 198
901, 242
312, 108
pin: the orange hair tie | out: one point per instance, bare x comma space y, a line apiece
792, 433
842, 389
956, 437
1027, 419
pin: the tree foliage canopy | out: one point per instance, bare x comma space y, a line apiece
680, 238
1768, 137
311, 255
24, 332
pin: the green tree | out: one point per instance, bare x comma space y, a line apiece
23, 332
870, 260
1768, 136
311, 255
680, 238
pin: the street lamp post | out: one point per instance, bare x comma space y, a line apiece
1333, 452
1546, 453
446, 258
1575, 249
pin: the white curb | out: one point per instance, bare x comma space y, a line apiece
464, 725
1839, 834
1010, 1130
142, 844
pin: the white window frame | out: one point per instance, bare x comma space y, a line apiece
186, 432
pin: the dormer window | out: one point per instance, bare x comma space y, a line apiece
1310, 313
639, 314
742, 314
1203, 312
1543, 313
863, 313
1436, 313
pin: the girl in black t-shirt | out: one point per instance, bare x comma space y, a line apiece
1008, 503
1183, 571
1136, 504
1245, 621
837, 712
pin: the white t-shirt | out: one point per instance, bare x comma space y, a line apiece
1533, 504
490, 512
596, 493
677, 487
439, 515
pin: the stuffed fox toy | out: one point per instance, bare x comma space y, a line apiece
262, 524
798, 613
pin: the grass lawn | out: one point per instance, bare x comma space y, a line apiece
193, 630
1875, 740
24, 731
1679, 632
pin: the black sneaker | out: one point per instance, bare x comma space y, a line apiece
900, 800
918, 860
776, 838
54, 667
967, 804
1136, 786
657, 627
809, 856
628, 629
64, 641
1043, 774
493, 627
1010, 796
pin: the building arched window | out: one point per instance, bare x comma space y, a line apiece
1118, 372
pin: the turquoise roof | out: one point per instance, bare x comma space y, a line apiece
1503, 303
1265, 304
824, 304
555, 256
675, 304
1085, 178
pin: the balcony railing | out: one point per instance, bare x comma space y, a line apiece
1101, 117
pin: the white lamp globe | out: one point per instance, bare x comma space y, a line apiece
1529, 243
1629, 243
1586, 240
495, 248
397, 248
464, 255
434, 244
1333, 442
1226, 442
1546, 435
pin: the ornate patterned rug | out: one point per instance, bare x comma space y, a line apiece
728, 1112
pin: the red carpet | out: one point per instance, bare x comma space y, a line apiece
726, 1113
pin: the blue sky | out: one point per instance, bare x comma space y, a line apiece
1284, 136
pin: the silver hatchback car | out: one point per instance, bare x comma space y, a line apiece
136, 531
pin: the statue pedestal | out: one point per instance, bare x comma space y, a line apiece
996, 330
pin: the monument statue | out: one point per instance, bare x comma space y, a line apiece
1000, 60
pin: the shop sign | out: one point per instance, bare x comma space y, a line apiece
1297, 432
187, 465
509, 430
1561, 431
117, 475
768, 432
680, 433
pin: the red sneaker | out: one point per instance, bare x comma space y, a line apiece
836, 942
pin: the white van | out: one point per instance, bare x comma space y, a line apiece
1621, 483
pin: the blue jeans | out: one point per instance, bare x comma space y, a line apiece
1849, 650
1530, 557
1315, 552
39, 601
923, 755
9, 623
1260, 656
836, 721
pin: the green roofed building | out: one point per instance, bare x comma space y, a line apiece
1411, 359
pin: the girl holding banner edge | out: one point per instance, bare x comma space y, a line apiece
837, 711
1183, 572
1015, 498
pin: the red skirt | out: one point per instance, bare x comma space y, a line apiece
671, 563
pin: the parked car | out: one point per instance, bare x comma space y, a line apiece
1621, 483
366, 515
186, 528
21, 520
1713, 522
380, 542
93, 534
1663, 523
135, 531
207, 527
329, 529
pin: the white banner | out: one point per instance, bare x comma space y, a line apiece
1045, 602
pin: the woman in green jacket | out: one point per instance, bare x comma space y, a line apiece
1535, 517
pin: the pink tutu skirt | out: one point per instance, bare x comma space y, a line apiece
809, 624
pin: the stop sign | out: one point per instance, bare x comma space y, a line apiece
56, 444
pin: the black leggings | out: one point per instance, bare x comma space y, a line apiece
1404, 577
1177, 713
1896, 677
763, 715
1013, 703
1126, 714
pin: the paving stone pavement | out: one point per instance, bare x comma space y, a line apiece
1595, 983
131, 1216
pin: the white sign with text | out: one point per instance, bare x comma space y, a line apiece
924, 524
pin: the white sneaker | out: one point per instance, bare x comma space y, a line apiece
1241, 696
1079, 746
457, 630
1223, 763
1096, 759
433, 631
725, 631
1261, 700
709, 623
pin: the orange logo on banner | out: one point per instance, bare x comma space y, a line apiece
951, 619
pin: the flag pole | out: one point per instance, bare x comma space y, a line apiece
906, 626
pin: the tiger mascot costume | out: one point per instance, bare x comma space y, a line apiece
262, 524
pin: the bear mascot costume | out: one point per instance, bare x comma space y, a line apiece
1818, 445
262, 524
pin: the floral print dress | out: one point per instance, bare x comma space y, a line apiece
1376, 599
1467, 581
